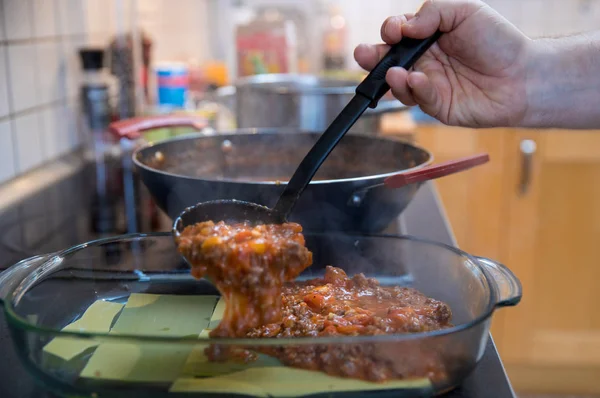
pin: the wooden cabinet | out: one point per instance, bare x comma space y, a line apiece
473, 199
536, 208
552, 241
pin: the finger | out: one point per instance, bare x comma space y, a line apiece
423, 91
391, 29
444, 15
368, 55
396, 79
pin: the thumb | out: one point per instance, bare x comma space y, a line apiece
445, 15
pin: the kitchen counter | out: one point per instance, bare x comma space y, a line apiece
93, 201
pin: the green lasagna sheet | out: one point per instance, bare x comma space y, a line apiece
96, 319
285, 382
151, 315
185, 367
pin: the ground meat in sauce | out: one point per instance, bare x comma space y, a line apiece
248, 264
254, 266
340, 306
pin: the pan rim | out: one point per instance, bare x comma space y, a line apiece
255, 131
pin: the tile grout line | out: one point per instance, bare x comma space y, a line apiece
37, 83
9, 99
32, 110
60, 37
44, 39
62, 45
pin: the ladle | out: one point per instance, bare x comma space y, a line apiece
368, 93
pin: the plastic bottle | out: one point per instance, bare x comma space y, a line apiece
96, 90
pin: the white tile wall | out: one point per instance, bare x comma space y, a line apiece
51, 77
69, 136
2, 27
29, 136
72, 62
55, 131
22, 76
17, 19
44, 18
7, 161
4, 110
72, 15
96, 39
100, 15
40, 75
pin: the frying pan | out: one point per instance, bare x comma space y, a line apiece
347, 193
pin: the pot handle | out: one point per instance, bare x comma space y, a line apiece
509, 287
435, 171
132, 128
420, 175
12, 276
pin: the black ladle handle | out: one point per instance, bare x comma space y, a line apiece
404, 53
368, 93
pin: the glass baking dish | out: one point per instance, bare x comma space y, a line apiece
137, 346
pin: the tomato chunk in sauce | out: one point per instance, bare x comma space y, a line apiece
254, 268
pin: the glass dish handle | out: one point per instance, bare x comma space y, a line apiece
12, 276
509, 287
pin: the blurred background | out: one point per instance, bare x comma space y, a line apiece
41, 71
68, 67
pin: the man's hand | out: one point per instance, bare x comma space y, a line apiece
474, 76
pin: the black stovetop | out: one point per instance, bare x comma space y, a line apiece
107, 199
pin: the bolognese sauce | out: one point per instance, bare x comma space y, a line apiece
248, 264
337, 305
254, 268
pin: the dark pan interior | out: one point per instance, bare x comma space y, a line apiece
274, 157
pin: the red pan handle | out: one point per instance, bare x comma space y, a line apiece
132, 128
435, 171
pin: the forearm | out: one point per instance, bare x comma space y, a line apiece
563, 82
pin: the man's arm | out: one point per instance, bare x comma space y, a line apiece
484, 72
563, 82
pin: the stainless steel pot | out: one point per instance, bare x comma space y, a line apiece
302, 102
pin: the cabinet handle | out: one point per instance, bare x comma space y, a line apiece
528, 148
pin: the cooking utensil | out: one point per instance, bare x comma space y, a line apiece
298, 101
425, 174
473, 287
368, 93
